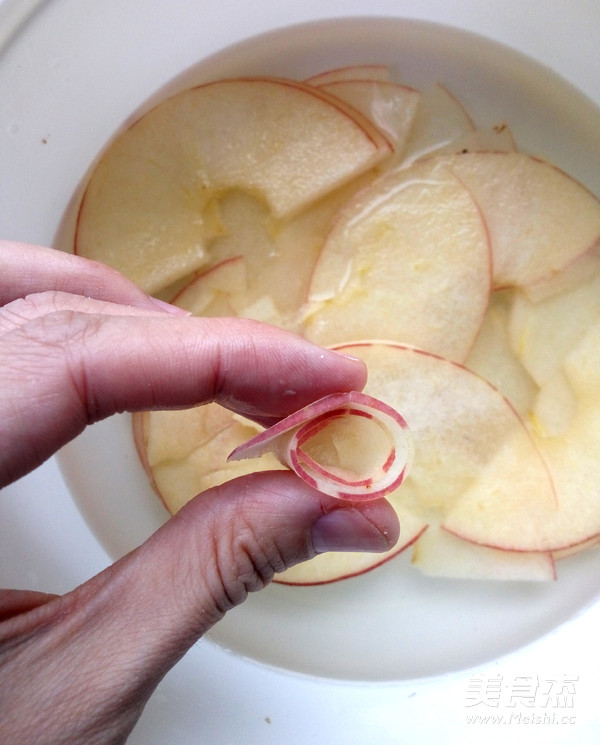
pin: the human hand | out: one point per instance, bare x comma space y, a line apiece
78, 342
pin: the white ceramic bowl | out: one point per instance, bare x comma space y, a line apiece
70, 74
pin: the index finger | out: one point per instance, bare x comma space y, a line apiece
29, 269
68, 369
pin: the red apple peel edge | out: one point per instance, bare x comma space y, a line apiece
287, 438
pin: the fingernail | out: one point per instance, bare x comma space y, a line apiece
347, 529
168, 308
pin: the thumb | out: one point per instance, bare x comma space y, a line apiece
230, 541
105, 646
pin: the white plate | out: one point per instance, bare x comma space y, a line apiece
362, 627
88, 77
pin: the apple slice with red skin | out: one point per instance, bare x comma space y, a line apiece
496, 139
351, 72
348, 445
438, 553
391, 107
440, 120
147, 208
408, 259
493, 358
184, 452
539, 218
543, 333
574, 466
468, 438
273, 249
210, 293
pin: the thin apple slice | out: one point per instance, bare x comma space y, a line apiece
467, 437
147, 207
574, 466
440, 120
407, 260
493, 358
497, 139
210, 293
351, 72
391, 107
540, 219
184, 452
576, 273
543, 333
348, 445
564, 553
554, 408
572, 460
438, 553
278, 255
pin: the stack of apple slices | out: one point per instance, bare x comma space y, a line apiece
375, 218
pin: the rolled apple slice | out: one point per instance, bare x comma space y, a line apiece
348, 445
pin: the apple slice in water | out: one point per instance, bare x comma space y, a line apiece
148, 206
574, 466
391, 107
540, 219
184, 451
468, 438
438, 553
347, 445
408, 259
351, 72
496, 139
440, 120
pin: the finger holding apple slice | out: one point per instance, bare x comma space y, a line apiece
185, 452
228, 180
349, 445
